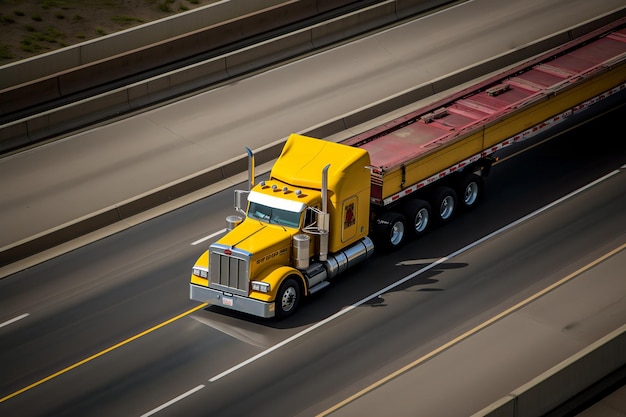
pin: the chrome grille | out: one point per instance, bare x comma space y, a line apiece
229, 269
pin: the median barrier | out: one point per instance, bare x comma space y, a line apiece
138, 37
237, 63
336, 30
100, 61
407, 8
553, 388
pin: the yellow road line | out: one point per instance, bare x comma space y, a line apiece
470, 332
92, 357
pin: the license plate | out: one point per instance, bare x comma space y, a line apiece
227, 301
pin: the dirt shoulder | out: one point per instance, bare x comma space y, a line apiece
35, 27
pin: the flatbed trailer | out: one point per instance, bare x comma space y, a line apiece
431, 143
326, 206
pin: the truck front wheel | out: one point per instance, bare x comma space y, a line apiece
390, 230
288, 298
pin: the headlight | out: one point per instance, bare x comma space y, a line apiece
260, 286
201, 272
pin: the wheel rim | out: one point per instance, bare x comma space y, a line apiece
288, 299
471, 193
421, 220
447, 207
397, 233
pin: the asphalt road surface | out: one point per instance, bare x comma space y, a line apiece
50, 185
103, 335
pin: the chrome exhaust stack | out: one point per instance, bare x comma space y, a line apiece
250, 168
241, 196
323, 219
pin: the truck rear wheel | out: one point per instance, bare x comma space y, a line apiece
390, 230
288, 298
470, 190
444, 202
418, 214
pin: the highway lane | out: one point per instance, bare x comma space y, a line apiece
100, 300
91, 170
95, 297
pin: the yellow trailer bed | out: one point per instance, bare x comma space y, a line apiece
428, 144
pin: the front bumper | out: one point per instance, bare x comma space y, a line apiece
231, 301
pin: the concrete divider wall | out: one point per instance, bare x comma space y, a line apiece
35, 128
338, 29
137, 50
564, 381
134, 38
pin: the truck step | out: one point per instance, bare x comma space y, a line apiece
318, 287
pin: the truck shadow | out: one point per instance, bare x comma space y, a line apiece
351, 288
355, 287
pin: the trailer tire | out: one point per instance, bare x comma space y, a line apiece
444, 202
390, 231
288, 298
470, 190
418, 214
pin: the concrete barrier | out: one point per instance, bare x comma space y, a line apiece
31, 129
548, 391
104, 60
173, 27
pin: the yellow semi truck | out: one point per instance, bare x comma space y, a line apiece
326, 205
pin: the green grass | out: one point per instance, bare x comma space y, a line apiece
47, 4
165, 5
6, 19
5, 52
125, 20
25, 22
36, 40
29, 45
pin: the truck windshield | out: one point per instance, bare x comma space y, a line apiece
273, 215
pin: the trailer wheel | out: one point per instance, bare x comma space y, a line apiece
418, 214
444, 202
470, 190
288, 297
390, 230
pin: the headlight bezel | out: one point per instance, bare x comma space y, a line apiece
260, 286
200, 272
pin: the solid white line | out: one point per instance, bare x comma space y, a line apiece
219, 232
411, 276
13, 320
167, 404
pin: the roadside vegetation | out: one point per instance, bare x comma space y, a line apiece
37, 26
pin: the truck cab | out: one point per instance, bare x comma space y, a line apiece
308, 222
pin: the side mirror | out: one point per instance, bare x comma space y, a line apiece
241, 200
